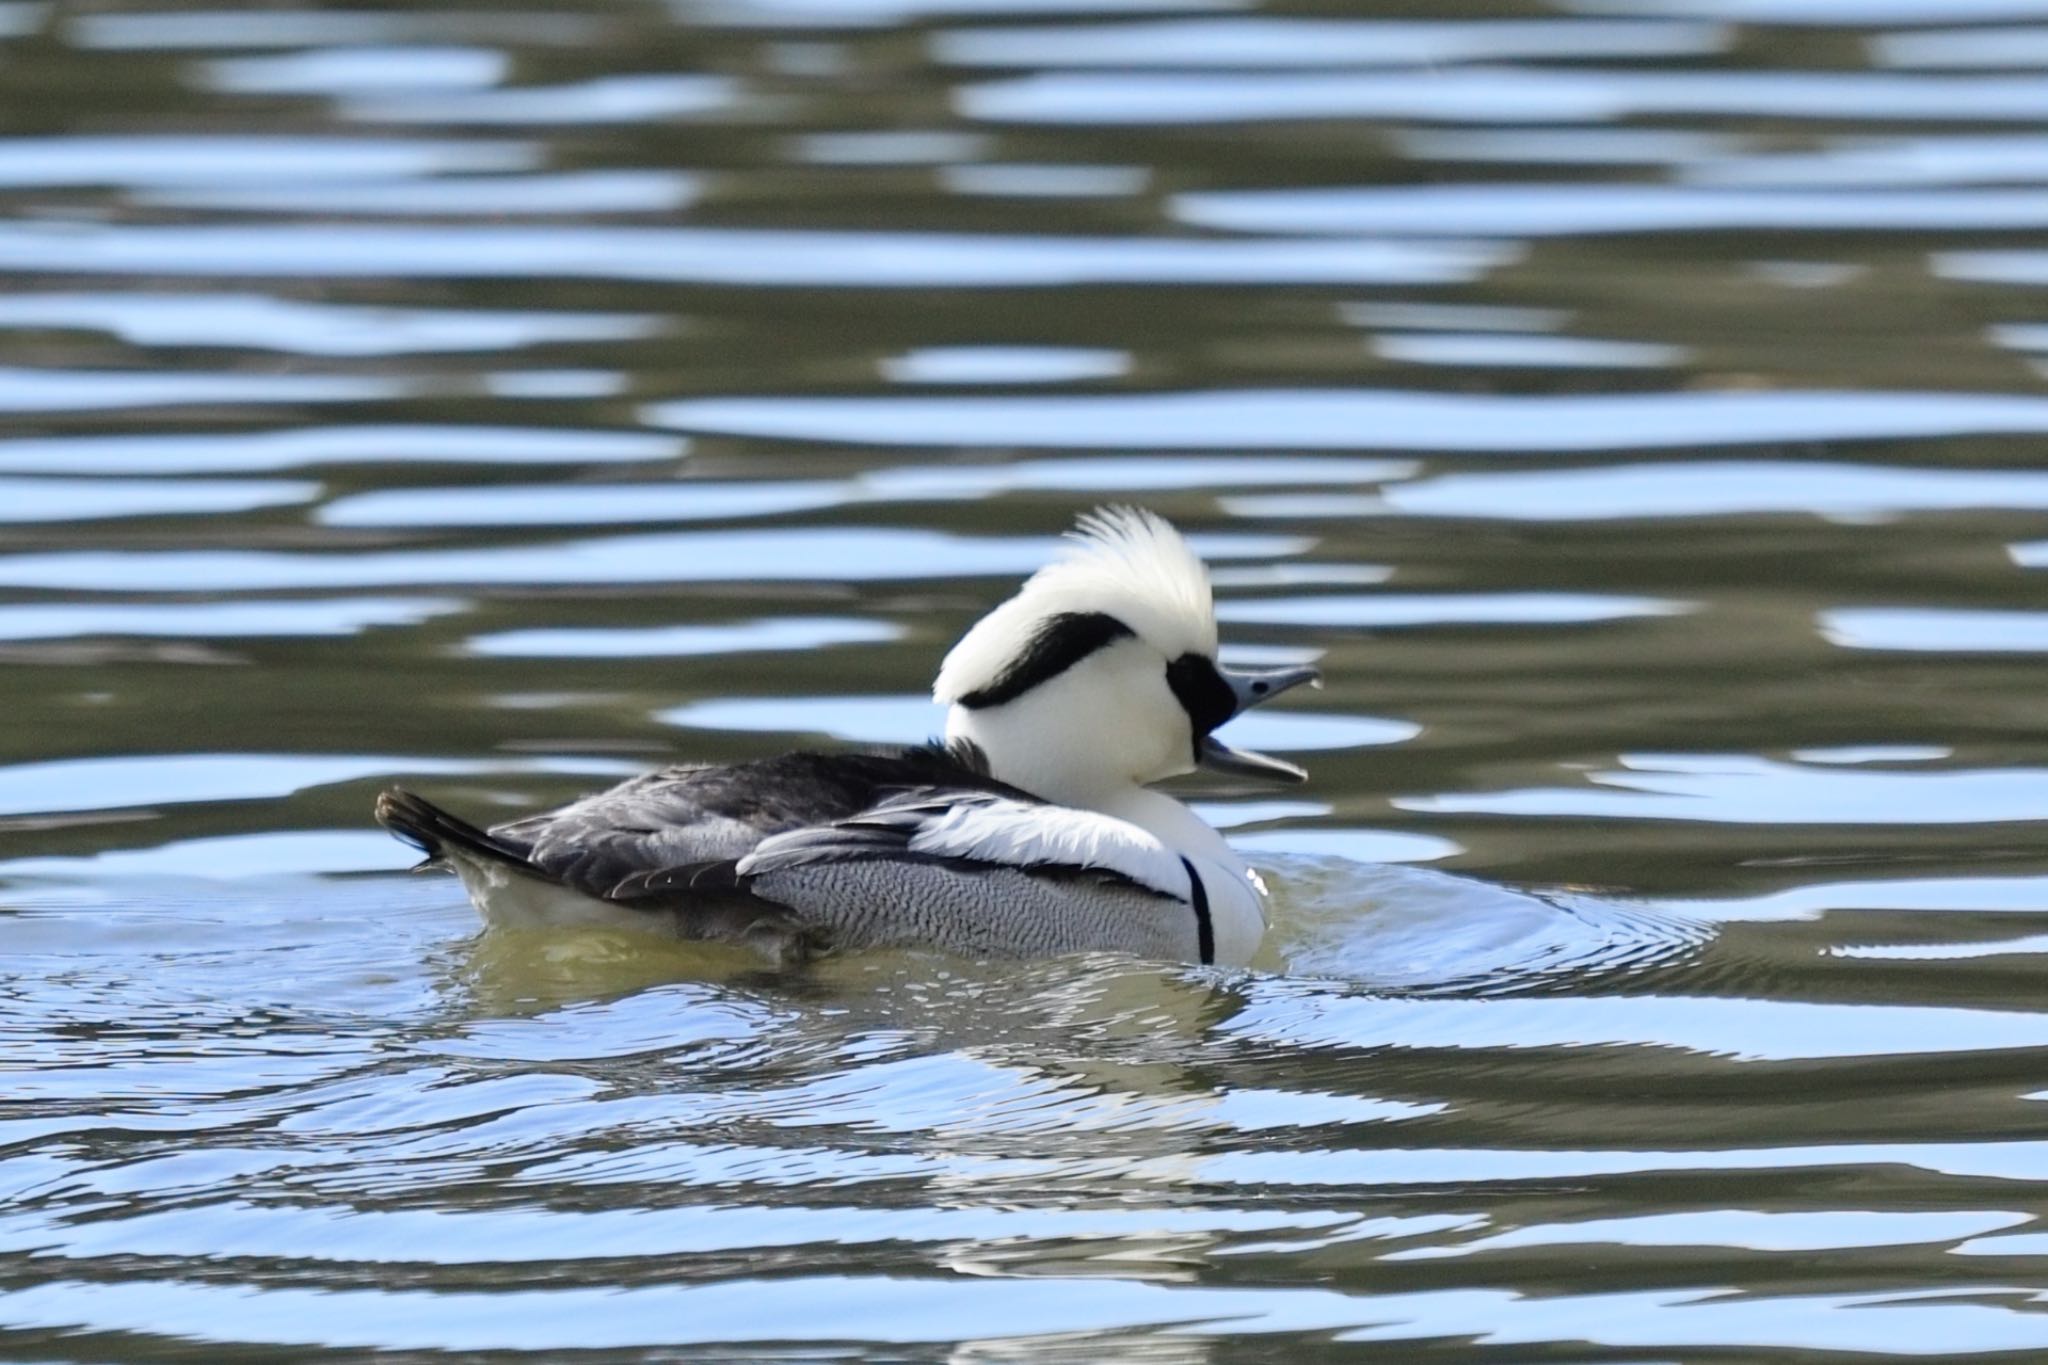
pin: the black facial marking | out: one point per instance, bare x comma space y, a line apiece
1203, 694
1061, 642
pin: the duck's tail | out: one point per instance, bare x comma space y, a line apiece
445, 838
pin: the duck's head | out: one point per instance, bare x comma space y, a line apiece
1101, 672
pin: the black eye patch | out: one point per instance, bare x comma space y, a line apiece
1061, 642
1203, 694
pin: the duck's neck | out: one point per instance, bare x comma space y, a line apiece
1170, 820
1035, 743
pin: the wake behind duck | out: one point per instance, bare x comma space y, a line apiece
1031, 831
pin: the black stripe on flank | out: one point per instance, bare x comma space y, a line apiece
1061, 642
1205, 930
1203, 694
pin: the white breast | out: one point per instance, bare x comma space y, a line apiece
1237, 909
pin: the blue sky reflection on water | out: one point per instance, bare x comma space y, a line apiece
912, 720
712, 556
734, 256
1368, 419
1743, 789
257, 322
288, 448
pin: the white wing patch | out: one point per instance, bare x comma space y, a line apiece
995, 829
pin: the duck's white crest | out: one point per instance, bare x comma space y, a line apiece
1123, 562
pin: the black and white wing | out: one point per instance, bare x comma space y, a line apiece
985, 874
982, 829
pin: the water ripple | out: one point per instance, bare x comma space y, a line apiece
1632, 406
342, 70
805, 633
1937, 630
262, 322
243, 158
1239, 43
1577, 209
914, 719
906, 1311
1709, 488
53, 500
577, 193
82, 784
1741, 789
689, 557
580, 505
815, 259
25, 390
276, 28
289, 616
219, 452
608, 99
1323, 419
1504, 94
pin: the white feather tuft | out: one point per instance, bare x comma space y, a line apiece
1123, 561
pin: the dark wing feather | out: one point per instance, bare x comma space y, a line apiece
883, 830
435, 832
667, 831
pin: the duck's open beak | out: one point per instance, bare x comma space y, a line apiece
1251, 686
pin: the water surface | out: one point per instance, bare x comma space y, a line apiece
1635, 406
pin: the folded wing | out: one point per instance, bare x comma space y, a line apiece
983, 874
809, 852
